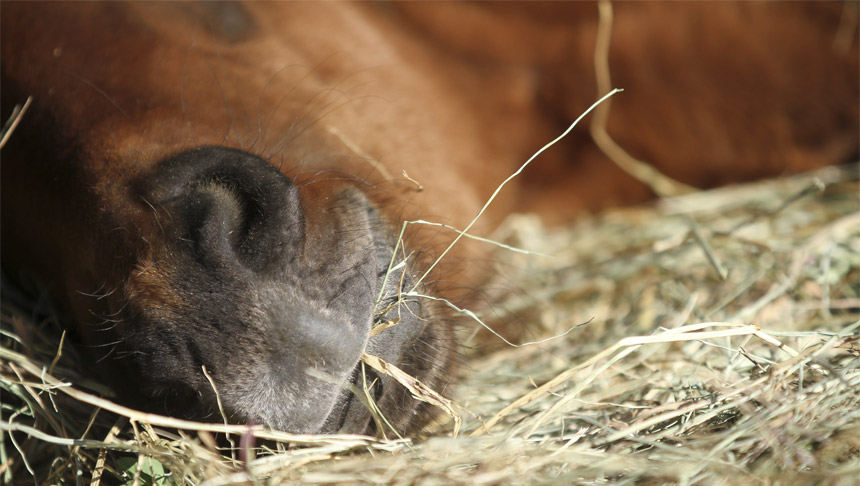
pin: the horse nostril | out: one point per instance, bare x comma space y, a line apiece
227, 206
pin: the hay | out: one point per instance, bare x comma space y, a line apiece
722, 346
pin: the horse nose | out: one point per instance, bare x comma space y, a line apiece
276, 287
227, 207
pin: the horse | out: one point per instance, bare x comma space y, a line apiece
214, 193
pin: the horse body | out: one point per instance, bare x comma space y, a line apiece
221, 184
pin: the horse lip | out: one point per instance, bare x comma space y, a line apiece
354, 415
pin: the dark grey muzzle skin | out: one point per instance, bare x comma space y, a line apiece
275, 298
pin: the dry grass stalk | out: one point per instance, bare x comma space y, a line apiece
660, 183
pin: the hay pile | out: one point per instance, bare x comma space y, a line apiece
714, 339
